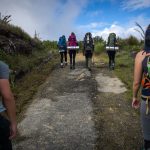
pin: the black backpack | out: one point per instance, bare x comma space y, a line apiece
88, 42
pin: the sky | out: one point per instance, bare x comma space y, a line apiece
53, 18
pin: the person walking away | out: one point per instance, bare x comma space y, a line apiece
142, 75
8, 125
62, 45
88, 49
72, 42
111, 51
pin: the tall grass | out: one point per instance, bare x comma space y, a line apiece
8, 29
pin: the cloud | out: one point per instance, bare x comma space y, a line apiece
92, 25
53, 18
123, 30
50, 18
118, 29
135, 4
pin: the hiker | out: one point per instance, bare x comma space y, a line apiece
62, 45
142, 75
111, 43
88, 49
8, 125
72, 42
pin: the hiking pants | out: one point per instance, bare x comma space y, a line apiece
145, 123
72, 55
111, 55
88, 57
145, 120
5, 143
62, 56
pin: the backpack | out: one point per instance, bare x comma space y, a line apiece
146, 77
72, 40
62, 43
112, 40
88, 42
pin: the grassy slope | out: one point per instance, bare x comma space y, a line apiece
26, 62
25, 88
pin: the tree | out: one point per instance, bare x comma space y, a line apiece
132, 41
98, 39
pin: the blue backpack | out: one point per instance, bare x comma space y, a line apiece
62, 43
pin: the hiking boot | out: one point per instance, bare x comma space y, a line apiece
66, 63
61, 65
113, 66
70, 66
73, 67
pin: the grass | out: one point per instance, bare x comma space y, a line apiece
26, 88
14, 30
23, 62
123, 70
29, 61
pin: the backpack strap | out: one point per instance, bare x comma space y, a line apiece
148, 65
147, 98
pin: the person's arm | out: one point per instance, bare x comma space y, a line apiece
137, 78
9, 103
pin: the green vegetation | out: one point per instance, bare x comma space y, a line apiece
25, 88
124, 59
99, 45
99, 48
26, 56
124, 70
50, 45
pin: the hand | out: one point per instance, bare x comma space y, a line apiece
135, 103
13, 130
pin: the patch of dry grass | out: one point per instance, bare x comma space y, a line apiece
26, 88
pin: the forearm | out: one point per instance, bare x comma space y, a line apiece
136, 88
9, 103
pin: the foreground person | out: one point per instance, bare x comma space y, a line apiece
8, 125
142, 74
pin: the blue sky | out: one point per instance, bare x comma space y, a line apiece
52, 18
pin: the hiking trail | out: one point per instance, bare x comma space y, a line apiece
80, 110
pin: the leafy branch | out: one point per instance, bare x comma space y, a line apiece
140, 30
5, 19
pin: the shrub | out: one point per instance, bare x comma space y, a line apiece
132, 41
99, 48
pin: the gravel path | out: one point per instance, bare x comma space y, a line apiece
77, 110
60, 117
